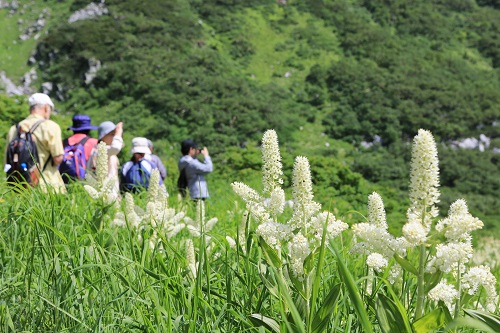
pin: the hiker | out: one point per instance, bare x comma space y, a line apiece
46, 135
136, 173
110, 134
157, 161
77, 149
195, 170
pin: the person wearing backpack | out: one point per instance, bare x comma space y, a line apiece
156, 160
77, 149
192, 171
136, 173
44, 135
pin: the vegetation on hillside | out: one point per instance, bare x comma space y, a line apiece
224, 71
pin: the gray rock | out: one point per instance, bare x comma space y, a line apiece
27, 80
91, 11
10, 88
94, 66
47, 87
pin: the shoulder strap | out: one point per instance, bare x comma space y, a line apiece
35, 125
83, 141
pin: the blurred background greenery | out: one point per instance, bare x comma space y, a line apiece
327, 75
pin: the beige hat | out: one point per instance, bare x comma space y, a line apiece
40, 99
140, 145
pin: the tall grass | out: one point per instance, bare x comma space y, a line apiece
65, 268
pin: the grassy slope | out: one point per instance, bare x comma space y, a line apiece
14, 53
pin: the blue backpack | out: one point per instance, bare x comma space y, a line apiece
74, 162
137, 176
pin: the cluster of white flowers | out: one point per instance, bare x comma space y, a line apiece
304, 207
277, 201
164, 220
271, 157
395, 274
424, 192
449, 255
376, 261
316, 224
129, 215
274, 233
481, 276
415, 233
303, 232
298, 251
191, 258
459, 222
100, 185
376, 241
254, 202
445, 292
376, 211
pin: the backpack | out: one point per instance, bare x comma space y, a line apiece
137, 177
22, 155
182, 183
74, 161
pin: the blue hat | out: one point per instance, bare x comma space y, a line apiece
104, 129
81, 122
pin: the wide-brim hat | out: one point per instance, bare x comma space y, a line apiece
81, 122
140, 146
105, 128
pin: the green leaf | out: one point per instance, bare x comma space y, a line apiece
287, 299
489, 319
260, 320
353, 291
431, 280
405, 264
269, 253
471, 323
325, 311
309, 262
389, 315
299, 285
317, 278
431, 321
269, 283
151, 273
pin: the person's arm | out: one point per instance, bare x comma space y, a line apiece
56, 160
56, 145
205, 166
161, 168
115, 147
117, 143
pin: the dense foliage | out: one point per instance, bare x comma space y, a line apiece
224, 71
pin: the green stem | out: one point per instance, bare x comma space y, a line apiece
308, 304
459, 287
419, 312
